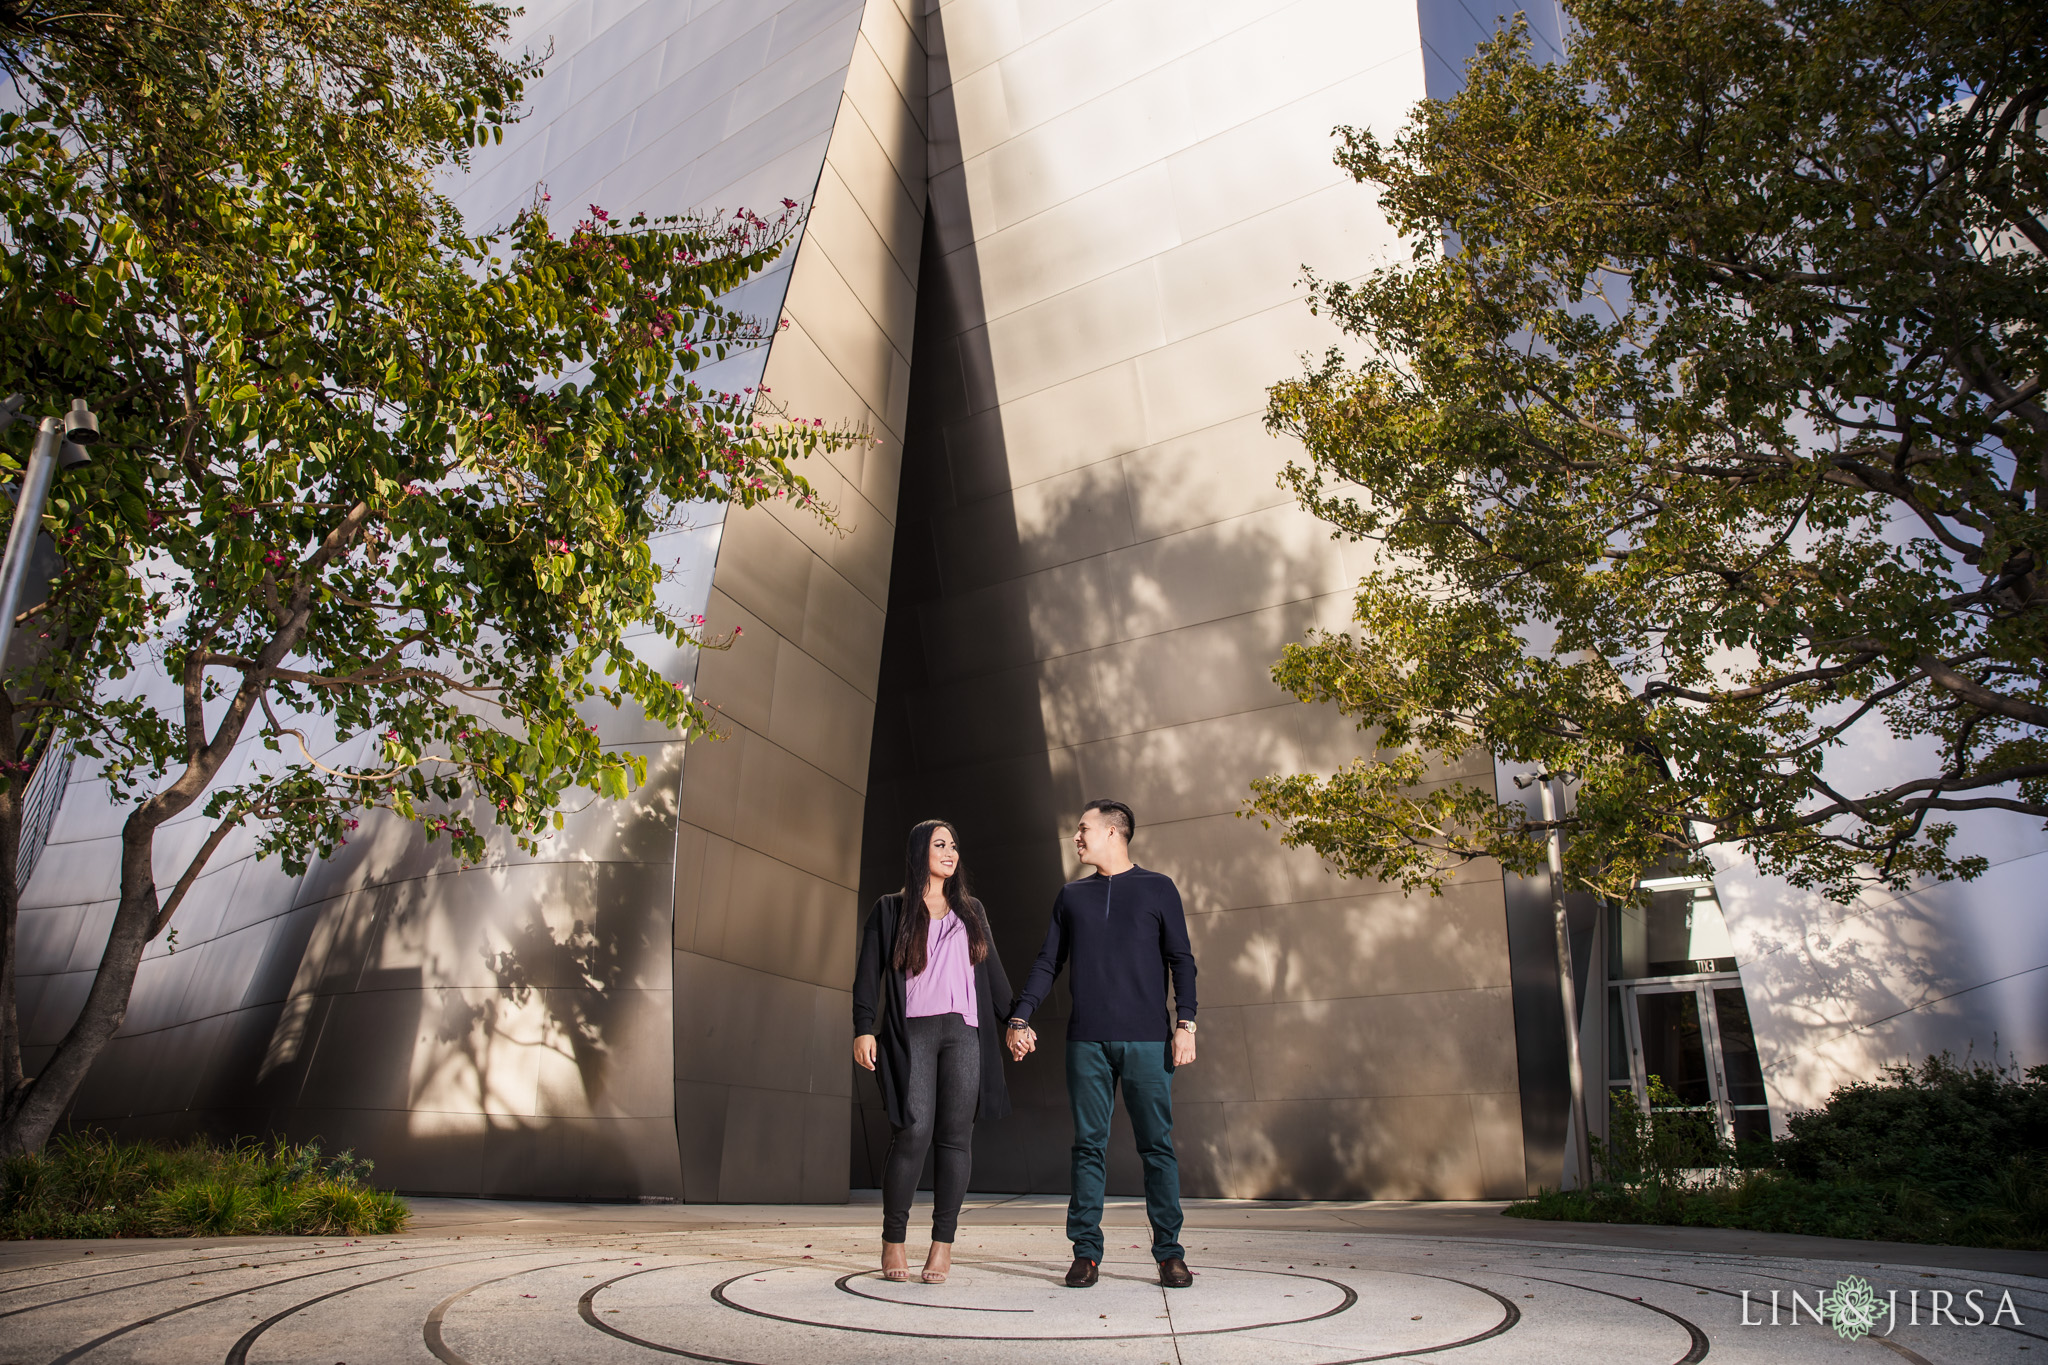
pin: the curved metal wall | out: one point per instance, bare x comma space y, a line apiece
1096, 570
509, 1029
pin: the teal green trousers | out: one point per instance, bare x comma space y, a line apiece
1093, 1073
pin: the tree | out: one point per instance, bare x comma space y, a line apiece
362, 471
1704, 434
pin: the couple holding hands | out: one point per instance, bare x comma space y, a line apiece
933, 1014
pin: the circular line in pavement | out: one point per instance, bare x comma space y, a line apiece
843, 1287
1697, 1352
161, 1279
1350, 1298
238, 1354
118, 1270
1510, 1318
589, 1315
430, 1330
103, 1338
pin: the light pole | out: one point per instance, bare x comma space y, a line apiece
1582, 1165
73, 432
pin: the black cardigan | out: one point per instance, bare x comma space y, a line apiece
878, 1008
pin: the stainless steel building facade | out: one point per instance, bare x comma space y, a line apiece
1052, 263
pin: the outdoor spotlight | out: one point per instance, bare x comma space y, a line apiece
80, 426
10, 408
81, 429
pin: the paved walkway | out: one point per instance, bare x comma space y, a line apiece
490, 1283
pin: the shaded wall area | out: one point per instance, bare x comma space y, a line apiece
499, 1029
1121, 199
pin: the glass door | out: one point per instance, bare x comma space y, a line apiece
1693, 1034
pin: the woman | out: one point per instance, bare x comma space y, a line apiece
928, 996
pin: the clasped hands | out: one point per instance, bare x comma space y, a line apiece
1022, 1039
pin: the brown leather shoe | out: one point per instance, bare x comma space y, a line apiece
1174, 1273
1082, 1273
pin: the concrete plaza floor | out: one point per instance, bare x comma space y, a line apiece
488, 1283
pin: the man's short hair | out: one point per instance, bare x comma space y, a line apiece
1120, 817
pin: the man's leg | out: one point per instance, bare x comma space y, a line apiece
1148, 1099
1091, 1091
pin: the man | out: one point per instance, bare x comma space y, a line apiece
1122, 931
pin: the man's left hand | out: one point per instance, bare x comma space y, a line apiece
1183, 1047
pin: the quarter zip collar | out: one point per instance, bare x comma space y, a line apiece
1109, 887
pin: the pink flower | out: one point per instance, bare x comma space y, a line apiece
599, 214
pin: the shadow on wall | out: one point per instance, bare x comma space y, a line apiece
502, 1029
1011, 692
1838, 992
1093, 575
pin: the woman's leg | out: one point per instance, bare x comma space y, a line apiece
959, 1072
907, 1148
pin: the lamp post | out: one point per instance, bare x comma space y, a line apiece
73, 432
1582, 1165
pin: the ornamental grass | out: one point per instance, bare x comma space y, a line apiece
93, 1185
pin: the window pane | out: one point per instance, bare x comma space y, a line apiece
1684, 934
1740, 1063
1751, 1124
1673, 1046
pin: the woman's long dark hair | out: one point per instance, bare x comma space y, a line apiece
913, 921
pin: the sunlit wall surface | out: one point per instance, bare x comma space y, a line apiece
1838, 992
1095, 570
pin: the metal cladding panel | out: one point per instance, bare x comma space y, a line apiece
765, 930
508, 1029
1095, 571
1836, 993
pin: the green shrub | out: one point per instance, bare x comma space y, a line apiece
1946, 1153
93, 1185
1944, 1128
1658, 1148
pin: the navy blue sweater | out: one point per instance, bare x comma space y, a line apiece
1122, 935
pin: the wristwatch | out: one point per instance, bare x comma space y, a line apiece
1187, 1024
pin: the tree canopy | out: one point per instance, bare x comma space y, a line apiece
364, 469
1704, 436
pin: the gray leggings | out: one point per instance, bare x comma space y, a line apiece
945, 1086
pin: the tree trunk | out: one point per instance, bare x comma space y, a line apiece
44, 1099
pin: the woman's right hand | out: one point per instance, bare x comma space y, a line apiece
864, 1051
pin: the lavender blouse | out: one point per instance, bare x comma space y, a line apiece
946, 985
